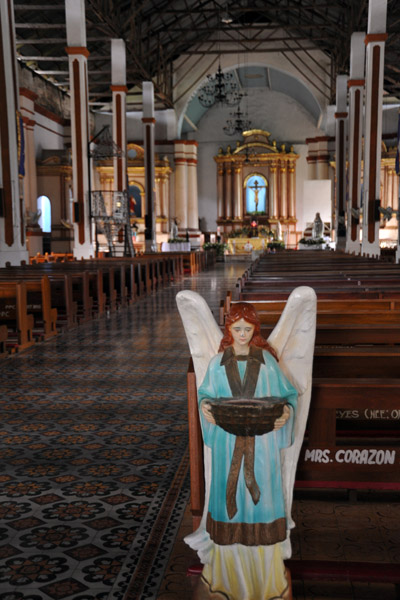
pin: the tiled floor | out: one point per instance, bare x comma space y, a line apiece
93, 451
93, 433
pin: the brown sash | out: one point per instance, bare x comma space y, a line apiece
244, 446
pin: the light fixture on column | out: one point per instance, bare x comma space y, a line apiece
237, 123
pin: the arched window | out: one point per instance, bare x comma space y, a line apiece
256, 194
44, 205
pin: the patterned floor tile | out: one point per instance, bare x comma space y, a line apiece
93, 430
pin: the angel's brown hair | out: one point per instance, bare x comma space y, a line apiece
246, 311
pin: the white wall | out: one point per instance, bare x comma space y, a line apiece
316, 198
286, 120
190, 73
49, 135
165, 124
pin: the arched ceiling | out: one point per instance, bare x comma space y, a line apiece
158, 32
250, 78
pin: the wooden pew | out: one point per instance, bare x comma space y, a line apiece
60, 290
3, 340
333, 312
39, 303
326, 459
13, 314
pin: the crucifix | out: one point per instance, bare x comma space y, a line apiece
256, 188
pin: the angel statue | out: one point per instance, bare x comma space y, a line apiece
253, 397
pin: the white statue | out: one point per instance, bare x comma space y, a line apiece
238, 544
317, 227
174, 229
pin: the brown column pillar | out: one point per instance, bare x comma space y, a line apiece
375, 50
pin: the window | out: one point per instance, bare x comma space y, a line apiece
44, 205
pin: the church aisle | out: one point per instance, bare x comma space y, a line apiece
93, 447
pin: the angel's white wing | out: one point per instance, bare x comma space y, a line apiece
202, 331
293, 338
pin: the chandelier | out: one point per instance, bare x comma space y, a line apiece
220, 89
237, 123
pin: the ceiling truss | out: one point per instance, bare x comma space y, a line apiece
159, 32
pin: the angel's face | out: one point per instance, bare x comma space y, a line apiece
242, 333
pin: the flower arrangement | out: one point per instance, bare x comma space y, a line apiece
177, 240
276, 245
219, 247
312, 241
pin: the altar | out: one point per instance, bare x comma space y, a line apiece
256, 182
246, 245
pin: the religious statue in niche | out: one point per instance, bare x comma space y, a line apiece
253, 400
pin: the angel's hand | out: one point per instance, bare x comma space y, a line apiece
282, 420
206, 410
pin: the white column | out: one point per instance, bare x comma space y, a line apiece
375, 43
149, 167
323, 158
181, 185
193, 208
356, 89
12, 229
341, 134
119, 89
312, 158
34, 234
77, 58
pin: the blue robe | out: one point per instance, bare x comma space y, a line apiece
254, 523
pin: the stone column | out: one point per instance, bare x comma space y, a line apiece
181, 185
312, 158
375, 48
274, 209
119, 90
12, 229
149, 167
356, 89
395, 192
160, 197
34, 234
192, 195
292, 190
283, 212
237, 194
220, 192
341, 134
389, 187
77, 58
166, 200
323, 157
228, 191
